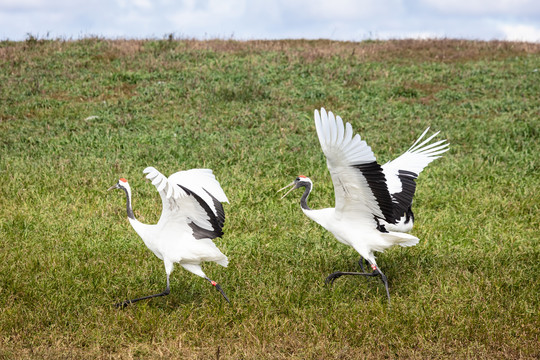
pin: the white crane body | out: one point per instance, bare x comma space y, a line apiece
359, 233
372, 202
192, 216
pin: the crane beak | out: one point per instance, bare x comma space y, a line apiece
283, 188
113, 187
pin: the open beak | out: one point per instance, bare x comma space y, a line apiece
283, 188
113, 187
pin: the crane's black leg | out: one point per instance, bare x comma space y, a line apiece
123, 304
218, 287
376, 272
361, 261
333, 276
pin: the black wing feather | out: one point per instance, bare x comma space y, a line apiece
403, 199
219, 210
216, 221
374, 175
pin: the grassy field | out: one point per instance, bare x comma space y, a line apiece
77, 115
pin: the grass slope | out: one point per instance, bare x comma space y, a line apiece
77, 115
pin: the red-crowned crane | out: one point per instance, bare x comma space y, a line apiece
373, 202
192, 216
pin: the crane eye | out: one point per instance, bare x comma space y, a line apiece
297, 179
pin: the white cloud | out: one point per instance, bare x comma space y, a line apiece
143, 4
214, 18
521, 33
342, 10
484, 7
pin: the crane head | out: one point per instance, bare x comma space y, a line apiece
300, 181
121, 184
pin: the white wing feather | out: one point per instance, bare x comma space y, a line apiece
198, 179
415, 159
177, 205
343, 151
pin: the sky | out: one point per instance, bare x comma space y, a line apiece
350, 20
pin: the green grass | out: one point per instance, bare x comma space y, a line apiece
77, 115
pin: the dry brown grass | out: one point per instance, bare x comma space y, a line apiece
420, 50
438, 50
287, 348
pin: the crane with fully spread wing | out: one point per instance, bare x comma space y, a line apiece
373, 203
192, 216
